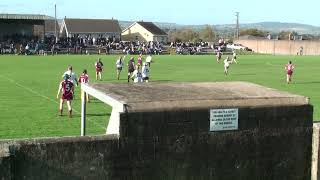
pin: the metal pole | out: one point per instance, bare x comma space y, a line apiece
83, 113
237, 33
55, 22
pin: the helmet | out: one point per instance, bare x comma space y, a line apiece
66, 77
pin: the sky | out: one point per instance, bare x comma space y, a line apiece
186, 12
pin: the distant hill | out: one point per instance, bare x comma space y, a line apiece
272, 27
275, 27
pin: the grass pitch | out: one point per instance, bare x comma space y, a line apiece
29, 85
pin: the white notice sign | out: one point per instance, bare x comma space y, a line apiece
223, 119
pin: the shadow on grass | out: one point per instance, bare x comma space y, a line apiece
160, 81
98, 114
310, 82
95, 101
248, 74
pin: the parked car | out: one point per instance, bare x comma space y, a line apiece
237, 46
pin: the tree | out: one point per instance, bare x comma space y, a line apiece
207, 34
173, 35
189, 35
253, 32
183, 35
284, 35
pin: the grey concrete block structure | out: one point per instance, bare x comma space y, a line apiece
232, 130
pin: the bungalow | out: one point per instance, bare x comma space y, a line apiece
144, 31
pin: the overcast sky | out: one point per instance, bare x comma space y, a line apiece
174, 11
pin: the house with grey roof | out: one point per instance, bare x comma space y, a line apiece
90, 27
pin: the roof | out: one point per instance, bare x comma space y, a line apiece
152, 28
25, 16
170, 96
92, 25
50, 27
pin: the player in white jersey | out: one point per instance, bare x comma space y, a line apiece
119, 66
234, 57
149, 60
226, 65
145, 72
137, 76
72, 75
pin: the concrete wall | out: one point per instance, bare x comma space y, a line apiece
271, 143
282, 47
315, 173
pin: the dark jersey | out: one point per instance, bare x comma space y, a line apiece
131, 66
67, 90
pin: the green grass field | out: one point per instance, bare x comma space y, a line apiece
29, 85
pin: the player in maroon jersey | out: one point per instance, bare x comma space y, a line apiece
289, 69
99, 68
83, 79
139, 62
66, 88
219, 55
131, 67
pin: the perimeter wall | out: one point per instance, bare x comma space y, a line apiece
270, 143
282, 47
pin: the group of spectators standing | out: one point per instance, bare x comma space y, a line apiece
189, 47
76, 45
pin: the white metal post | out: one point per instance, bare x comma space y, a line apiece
83, 113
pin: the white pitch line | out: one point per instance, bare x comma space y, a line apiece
43, 96
268, 63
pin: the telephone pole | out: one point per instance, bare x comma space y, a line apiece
237, 32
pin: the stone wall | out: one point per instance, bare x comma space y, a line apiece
271, 143
282, 47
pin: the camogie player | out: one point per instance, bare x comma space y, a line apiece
226, 65
119, 66
149, 60
137, 76
234, 57
66, 88
219, 55
84, 79
131, 67
289, 69
99, 68
145, 72
139, 62
72, 75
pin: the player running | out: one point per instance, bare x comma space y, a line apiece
119, 66
99, 68
145, 72
226, 65
84, 79
139, 62
219, 55
149, 60
234, 57
66, 88
131, 67
137, 76
289, 68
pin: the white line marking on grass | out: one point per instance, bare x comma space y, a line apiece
43, 96
269, 64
